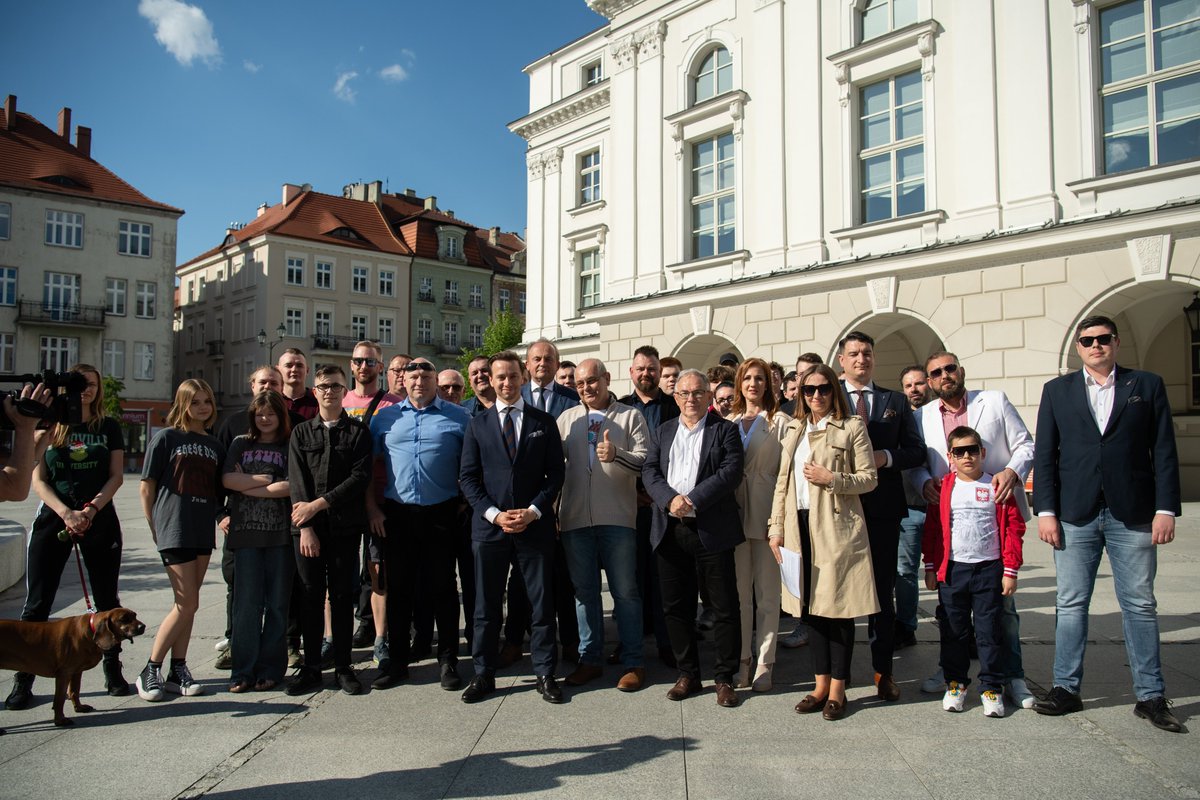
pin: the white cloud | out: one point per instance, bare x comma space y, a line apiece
409, 54
394, 73
250, 66
342, 89
183, 29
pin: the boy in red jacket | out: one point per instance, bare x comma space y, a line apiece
972, 545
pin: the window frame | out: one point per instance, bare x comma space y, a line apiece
142, 350
587, 78
504, 298
715, 197
387, 283
476, 296
8, 352
112, 357
131, 231
360, 279
8, 285
892, 148
359, 323
385, 328
64, 355
60, 224
293, 322
323, 274
450, 335
5, 221
450, 296
590, 176
698, 71
584, 274
294, 271
141, 297
425, 292
861, 8
116, 294
424, 330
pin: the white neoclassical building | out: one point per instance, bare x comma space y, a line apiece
764, 176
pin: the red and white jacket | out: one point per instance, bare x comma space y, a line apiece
935, 542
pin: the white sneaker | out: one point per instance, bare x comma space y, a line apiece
222, 645
934, 684
993, 704
149, 684
956, 695
797, 638
1019, 693
180, 681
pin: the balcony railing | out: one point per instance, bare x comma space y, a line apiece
331, 342
425, 297
216, 348
451, 300
37, 311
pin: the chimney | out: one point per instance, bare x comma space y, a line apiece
410, 192
449, 212
83, 140
494, 235
64, 123
290, 192
261, 210
10, 112
374, 192
431, 203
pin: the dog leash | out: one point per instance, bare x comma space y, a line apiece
63, 535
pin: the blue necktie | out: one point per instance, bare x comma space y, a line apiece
510, 434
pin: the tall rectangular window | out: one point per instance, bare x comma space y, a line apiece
358, 279
293, 322
714, 217
147, 299
589, 177
324, 275
114, 358
424, 331
449, 335
385, 332
323, 323
133, 238
475, 335
521, 302
589, 278
115, 291
451, 294
505, 299
453, 247
8, 352
387, 283
891, 148
5, 220
64, 228
58, 353
358, 326
1150, 83
295, 272
426, 292
593, 73
8, 286
883, 16
143, 361
60, 295
476, 295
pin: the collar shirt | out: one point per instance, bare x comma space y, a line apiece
803, 453
950, 421
868, 392
1100, 396
685, 458
518, 415
421, 449
541, 395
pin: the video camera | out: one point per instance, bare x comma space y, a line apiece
67, 405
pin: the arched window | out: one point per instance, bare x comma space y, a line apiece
714, 76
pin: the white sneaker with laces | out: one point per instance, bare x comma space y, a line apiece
993, 704
934, 684
956, 695
1019, 693
180, 681
149, 684
222, 645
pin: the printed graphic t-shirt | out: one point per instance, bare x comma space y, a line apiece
187, 468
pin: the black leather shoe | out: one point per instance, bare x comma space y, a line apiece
450, 679
303, 681
364, 635
22, 692
387, 678
1058, 702
1158, 711
479, 688
549, 689
347, 681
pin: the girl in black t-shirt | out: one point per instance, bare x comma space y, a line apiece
76, 481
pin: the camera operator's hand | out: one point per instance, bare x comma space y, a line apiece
17, 473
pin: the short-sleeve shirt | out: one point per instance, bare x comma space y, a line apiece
81, 467
187, 469
974, 531
258, 521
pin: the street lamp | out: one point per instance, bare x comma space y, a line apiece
280, 333
1192, 313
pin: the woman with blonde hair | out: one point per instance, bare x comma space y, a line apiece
76, 481
762, 428
826, 464
180, 493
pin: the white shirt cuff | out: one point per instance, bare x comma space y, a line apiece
491, 514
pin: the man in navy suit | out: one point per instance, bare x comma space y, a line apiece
542, 391
1106, 477
898, 446
512, 471
690, 472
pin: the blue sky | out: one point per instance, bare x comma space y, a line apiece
211, 106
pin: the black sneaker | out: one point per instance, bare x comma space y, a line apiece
114, 682
347, 681
22, 692
326, 654
389, 677
149, 684
364, 635
303, 681
1158, 711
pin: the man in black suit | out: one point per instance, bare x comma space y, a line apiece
898, 446
1106, 477
691, 471
512, 471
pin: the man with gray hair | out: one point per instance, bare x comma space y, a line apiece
605, 444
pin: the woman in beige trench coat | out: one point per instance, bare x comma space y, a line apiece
826, 464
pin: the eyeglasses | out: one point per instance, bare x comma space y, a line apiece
328, 388
364, 362
723, 400
965, 450
699, 394
452, 387
396, 370
949, 369
823, 389
1104, 340
418, 366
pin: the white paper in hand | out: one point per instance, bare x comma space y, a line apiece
789, 570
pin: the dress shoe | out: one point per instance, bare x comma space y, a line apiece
632, 680
1158, 711
509, 654
364, 635
667, 657
810, 704
762, 679
450, 679
614, 657
726, 696
834, 710
685, 686
1058, 702
886, 688
387, 678
479, 687
548, 688
347, 681
584, 673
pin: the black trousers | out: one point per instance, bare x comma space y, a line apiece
534, 556
884, 538
972, 589
466, 571
227, 575
518, 620
100, 547
648, 584
333, 571
831, 642
419, 554
683, 564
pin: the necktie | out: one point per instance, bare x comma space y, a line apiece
510, 434
860, 407
541, 399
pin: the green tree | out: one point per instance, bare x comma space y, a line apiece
112, 395
504, 332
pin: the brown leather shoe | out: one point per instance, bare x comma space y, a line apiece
632, 680
684, 687
810, 704
726, 696
584, 673
834, 710
509, 654
886, 688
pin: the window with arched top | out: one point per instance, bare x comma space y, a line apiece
714, 75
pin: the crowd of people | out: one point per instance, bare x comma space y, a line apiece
714, 500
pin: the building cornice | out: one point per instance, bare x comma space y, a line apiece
562, 112
610, 8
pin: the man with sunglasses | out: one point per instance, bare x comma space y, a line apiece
395, 374
1106, 478
1009, 456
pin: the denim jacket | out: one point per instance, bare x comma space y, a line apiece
334, 463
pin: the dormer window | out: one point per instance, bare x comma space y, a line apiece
345, 233
450, 243
64, 181
714, 76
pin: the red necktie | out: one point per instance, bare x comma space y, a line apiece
860, 407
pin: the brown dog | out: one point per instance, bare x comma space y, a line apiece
64, 649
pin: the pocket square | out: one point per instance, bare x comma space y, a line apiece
889, 413
535, 434
1133, 398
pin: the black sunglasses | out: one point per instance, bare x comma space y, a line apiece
965, 450
414, 366
369, 362
823, 389
949, 369
1104, 340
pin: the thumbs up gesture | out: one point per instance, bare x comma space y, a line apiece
605, 449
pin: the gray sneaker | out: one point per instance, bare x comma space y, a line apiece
382, 653
797, 638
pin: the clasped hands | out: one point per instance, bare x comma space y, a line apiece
680, 507
516, 520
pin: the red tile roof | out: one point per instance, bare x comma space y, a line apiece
31, 155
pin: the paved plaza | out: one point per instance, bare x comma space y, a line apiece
417, 741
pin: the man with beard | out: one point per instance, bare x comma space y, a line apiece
1009, 458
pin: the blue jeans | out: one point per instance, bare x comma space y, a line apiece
262, 589
1134, 561
909, 569
616, 548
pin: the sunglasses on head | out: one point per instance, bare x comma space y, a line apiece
965, 450
367, 362
949, 369
823, 389
415, 366
1104, 340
